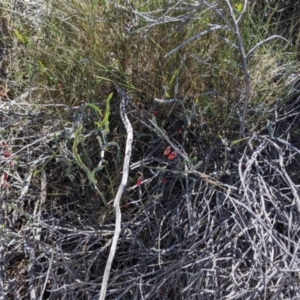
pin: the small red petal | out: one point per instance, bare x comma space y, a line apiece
162, 291
5, 176
168, 151
5, 184
6, 153
4, 144
139, 181
172, 156
164, 181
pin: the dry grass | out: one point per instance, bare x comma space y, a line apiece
220, 221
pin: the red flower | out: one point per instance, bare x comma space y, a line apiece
6, 153
164, 181
5, 184
155, 113
168, 151
172, 156
139, 181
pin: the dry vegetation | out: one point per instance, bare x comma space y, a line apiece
218, 221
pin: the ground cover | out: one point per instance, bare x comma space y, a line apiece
211, 207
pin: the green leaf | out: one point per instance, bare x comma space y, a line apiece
174, 77
95, 108
90, 175
237, 141
23, 39
239, 7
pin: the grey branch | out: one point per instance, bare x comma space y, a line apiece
126, 166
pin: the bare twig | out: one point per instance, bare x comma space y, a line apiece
126, 165
240, 45
196, 36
